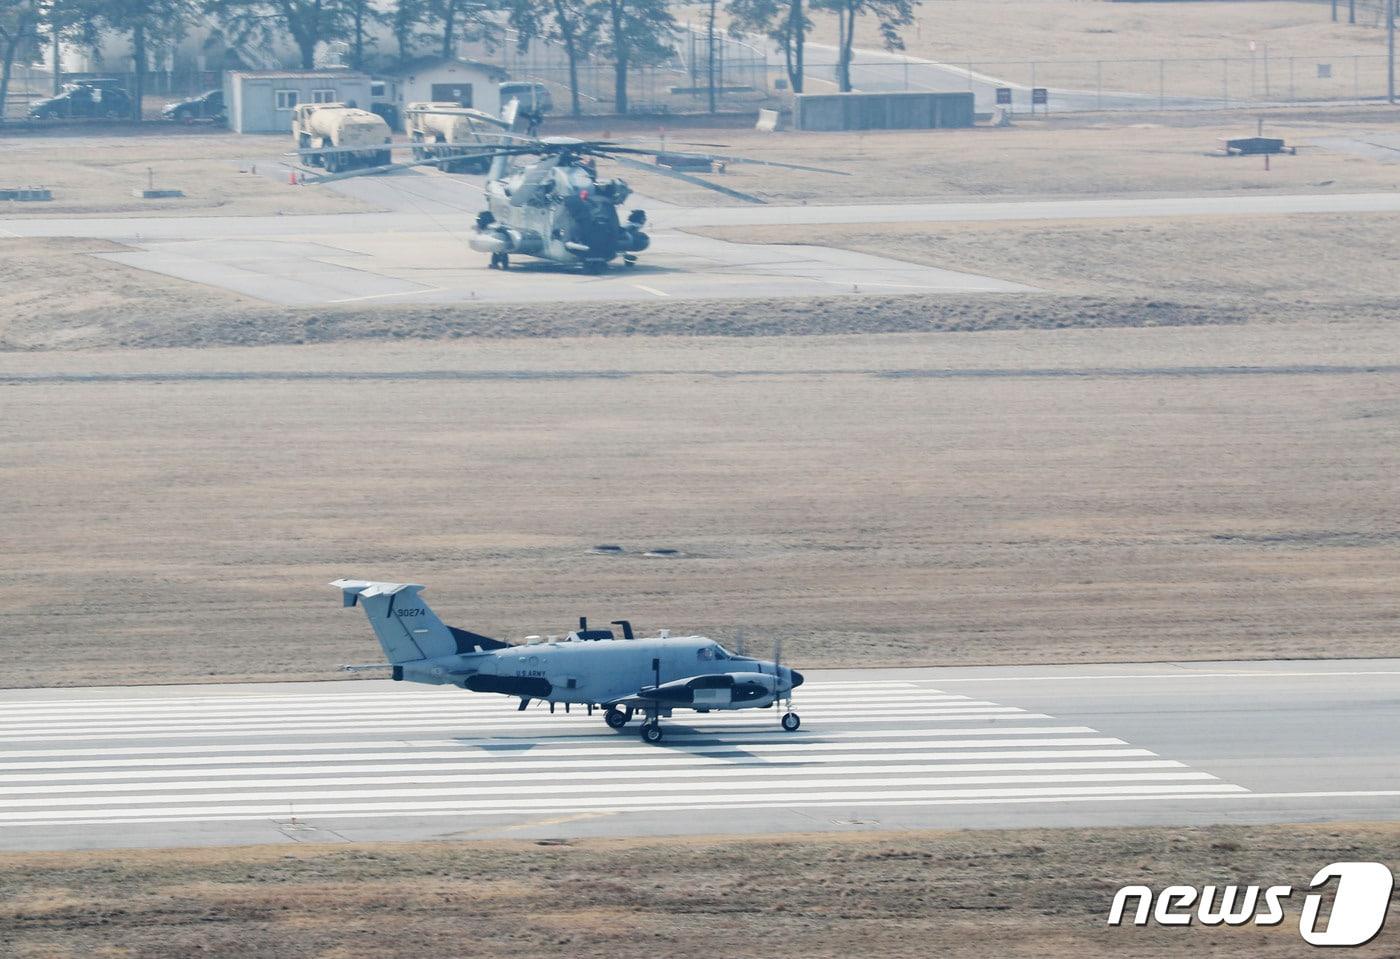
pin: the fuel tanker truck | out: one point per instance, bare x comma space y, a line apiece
449, 130
357, 137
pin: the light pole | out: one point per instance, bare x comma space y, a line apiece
1390, 50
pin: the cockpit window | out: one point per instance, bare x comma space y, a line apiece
710, 653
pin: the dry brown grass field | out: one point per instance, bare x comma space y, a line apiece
958, 30
222, 174
1080, 43
1271, 267
1015, 496
1163, 155
1100, 155
1185, 449
1016, 893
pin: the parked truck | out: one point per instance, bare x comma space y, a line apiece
352, 138
450, 130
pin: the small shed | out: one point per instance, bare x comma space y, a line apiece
262, 102
447, 80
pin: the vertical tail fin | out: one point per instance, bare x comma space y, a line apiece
407, 629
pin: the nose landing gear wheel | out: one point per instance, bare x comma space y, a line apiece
617, 718
651, 732
791, 722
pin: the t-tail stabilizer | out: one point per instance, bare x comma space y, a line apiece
407, 629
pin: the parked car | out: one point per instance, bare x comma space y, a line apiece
533, 97
83, 100
206, 106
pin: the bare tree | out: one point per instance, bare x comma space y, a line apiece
638, 31
890, 15
573, 24
785, 22
309, 22
464, 20
19, 34
148, 21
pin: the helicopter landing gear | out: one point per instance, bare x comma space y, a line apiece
500, 261
618, 717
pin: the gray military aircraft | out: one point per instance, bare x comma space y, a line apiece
588, 667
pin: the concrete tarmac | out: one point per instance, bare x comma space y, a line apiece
984, 747
418, 253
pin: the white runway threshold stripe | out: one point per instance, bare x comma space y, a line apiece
370, 751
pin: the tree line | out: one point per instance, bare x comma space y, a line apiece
629, 33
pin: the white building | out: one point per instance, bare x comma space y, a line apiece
262, 102
442, 80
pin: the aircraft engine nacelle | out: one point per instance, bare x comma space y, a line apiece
633, 240
489, 243
721, 691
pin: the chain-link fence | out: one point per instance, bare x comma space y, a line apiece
678, 84
30, 83
1160, 84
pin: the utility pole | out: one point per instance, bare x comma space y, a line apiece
710, 72
1390, 50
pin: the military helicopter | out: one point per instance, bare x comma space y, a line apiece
545, 199
588, 667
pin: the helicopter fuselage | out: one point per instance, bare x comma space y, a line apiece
556, 209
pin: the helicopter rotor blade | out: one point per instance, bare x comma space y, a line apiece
391, 168
431, 161
467, 112
725, 158
683, 177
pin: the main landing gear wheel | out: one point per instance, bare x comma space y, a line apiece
500, 261
651, 732
791, 722
617, 718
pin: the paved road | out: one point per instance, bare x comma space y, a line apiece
983, 747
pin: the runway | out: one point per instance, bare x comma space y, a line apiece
972, 747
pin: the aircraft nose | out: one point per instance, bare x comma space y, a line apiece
797, 679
